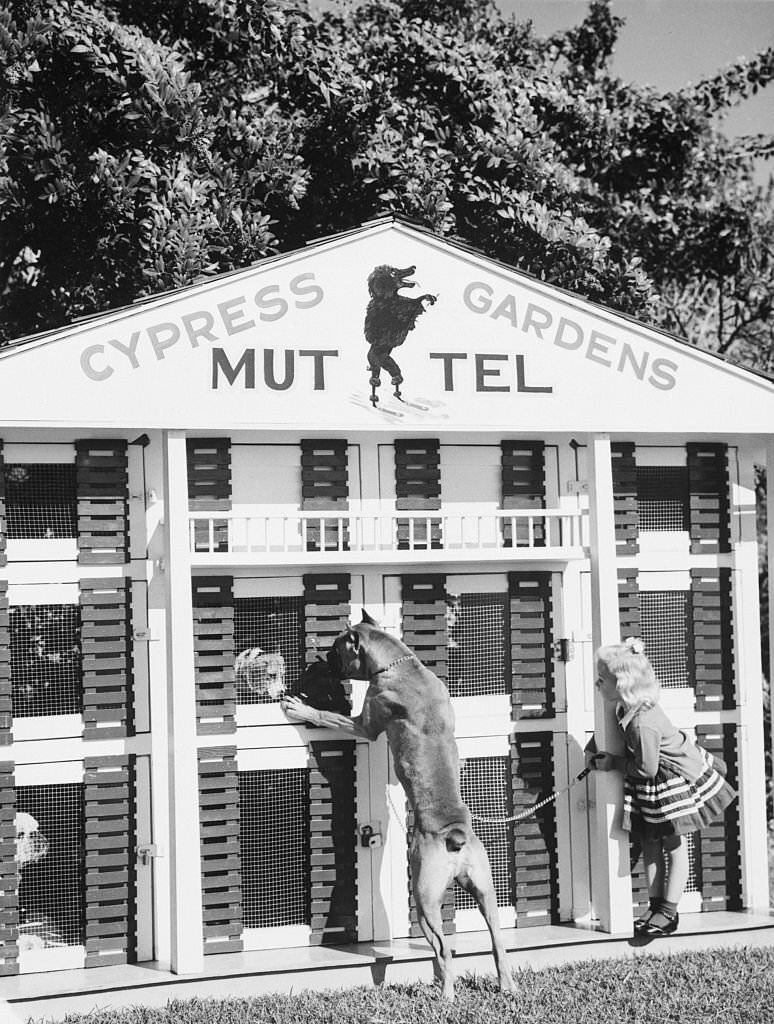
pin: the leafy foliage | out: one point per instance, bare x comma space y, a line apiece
148, 142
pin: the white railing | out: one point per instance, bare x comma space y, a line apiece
274, 537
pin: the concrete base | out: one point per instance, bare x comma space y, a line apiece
241, 975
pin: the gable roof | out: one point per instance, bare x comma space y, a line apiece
488, 315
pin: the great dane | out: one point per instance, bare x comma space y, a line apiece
411, 704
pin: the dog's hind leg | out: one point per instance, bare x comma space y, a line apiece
430, 874
475, 877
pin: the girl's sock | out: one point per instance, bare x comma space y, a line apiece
671, 908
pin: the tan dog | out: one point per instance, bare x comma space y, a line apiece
412, 705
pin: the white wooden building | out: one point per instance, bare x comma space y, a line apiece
204, 473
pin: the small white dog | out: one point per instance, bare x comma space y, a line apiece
261, 672
31, 844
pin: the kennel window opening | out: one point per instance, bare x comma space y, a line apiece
274, 845
51, 889
665, 624
486, 785
41, 501
46, 665
477, 627
662, 498
275, 624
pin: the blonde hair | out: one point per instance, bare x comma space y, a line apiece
635, 679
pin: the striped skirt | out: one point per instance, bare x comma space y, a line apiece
670, 805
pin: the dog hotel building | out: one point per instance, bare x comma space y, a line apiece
199, 491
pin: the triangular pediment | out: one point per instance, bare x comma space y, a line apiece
283, 345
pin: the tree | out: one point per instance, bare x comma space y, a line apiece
147, 142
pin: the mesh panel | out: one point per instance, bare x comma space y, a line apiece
269, 645
692, 885
665, 626
662, 497
476, 653
51, 897
486, 786
274, 846
46, 659
41, 500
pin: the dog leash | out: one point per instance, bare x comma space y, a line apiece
513, 817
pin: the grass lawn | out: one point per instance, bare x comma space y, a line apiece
728, 986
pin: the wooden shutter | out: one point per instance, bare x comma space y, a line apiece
6, 693
418, 487
110, 883
424, 620
209, 474
106, 652
332, 836
712, 654
523, 478
325, 487
531, 627
536, 885
9, 874
718, 846
629, 603
327, 610
624, 497
102, 476
447, 903
220, 852
709, 511
3, 519
214, 656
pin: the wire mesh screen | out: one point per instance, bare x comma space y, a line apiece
49, 844
41, 500
486, 786
662, 497
46, 676
269, 645
666, 626
692, 885
274, 845
477, 636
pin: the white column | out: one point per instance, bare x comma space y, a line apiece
186, 941
610, 878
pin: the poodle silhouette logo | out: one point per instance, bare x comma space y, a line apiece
389, 318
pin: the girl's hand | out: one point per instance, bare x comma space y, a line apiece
604, 762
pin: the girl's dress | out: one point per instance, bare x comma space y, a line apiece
672, 786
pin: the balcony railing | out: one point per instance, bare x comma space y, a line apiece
314, 537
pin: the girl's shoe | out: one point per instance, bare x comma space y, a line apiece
643, 920
662, 922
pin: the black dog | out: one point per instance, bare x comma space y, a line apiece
321, 689
389, 318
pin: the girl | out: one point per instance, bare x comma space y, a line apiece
672, 787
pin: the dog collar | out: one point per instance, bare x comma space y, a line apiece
392, 664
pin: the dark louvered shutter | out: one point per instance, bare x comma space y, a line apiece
333, 826
624, 497
209, 488
325, 488
418, 487
424, 620
110, 883
447, 903
536, 898
709, 512
213, 629
6, 699
9, 874
106, 652
327, 610
532, 663
102, 473
629, 603
3, 519
719, 857
220, 851
712, 656
523, 478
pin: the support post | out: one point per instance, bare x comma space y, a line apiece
186, 944
611, 880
